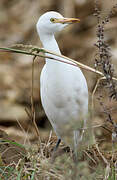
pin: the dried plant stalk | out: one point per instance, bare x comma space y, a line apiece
103, 61
35, 51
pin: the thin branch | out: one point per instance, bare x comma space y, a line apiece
95, 88
74, 63
32, 103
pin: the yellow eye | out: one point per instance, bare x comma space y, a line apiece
52, 20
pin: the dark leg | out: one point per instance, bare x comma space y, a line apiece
57, 152
75, 157
57, 145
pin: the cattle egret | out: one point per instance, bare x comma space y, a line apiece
63, 87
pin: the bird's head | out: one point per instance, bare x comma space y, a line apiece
52, 22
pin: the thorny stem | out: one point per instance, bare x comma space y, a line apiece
103, 62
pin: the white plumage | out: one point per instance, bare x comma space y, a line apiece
64, 92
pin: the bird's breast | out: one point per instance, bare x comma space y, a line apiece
64, 93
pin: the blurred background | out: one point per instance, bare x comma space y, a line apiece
18, 25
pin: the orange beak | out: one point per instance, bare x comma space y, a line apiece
67, 20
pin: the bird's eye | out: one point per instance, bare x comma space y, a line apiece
52, 20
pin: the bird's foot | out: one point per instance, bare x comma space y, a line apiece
58, 153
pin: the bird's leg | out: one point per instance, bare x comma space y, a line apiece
75, 157
57, 145
55, 152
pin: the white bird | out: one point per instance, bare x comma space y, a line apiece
64, 92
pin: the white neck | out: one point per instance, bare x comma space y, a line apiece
49, 43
